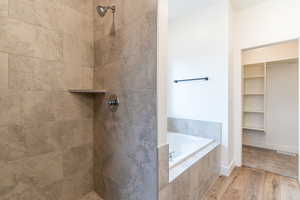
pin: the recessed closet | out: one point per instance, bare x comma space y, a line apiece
270, 108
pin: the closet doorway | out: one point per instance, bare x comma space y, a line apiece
270, 108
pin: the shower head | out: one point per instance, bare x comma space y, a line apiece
102, 10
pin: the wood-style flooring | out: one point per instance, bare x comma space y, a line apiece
270, 160
253, 184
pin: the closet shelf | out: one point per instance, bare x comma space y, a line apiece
254, 128
259, 64
87, 91
254, 77
253, 94
254, 111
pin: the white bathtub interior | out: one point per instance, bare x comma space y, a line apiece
182, 146
185, 151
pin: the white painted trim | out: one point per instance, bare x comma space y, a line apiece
298, 111
162, 63
226, 170
238, 108
289, 149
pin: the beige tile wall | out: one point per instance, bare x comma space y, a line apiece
125, 64
163, 166
46, 47
3, 70
3, 7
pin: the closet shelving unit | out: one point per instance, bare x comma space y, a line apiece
254, 97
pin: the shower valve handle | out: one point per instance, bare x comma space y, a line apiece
113, 102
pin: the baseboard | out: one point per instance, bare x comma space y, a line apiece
226, 170
288, 149
286, 153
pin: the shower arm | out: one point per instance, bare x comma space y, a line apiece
113, 9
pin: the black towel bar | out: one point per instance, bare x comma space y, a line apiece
193, 79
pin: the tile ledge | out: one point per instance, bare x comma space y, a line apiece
87, 91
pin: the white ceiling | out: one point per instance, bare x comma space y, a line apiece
242, 4
183, 7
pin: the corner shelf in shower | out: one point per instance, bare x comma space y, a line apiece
87, 91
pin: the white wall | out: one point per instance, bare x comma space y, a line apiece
265, 23
199, 46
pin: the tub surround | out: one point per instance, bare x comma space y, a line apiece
193, 183
163, 174
205, 129
192, 178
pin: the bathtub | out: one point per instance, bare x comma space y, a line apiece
194, 166
182, 147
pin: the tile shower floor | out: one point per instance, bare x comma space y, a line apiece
91, 196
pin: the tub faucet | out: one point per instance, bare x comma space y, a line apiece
171, 155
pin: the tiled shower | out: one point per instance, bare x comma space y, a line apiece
125, 164
58, 145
